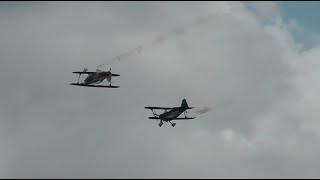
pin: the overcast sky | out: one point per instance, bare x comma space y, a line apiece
242, 64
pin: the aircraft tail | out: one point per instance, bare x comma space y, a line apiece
184, 104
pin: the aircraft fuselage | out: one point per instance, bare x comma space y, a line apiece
96, 77
172, 114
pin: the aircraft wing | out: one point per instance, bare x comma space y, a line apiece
101, 86
165, 108
174, 118
81, 72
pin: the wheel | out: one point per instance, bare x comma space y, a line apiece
160, 124
173, 124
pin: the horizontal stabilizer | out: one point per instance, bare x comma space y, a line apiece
115, 75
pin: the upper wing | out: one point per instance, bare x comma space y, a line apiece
148, 107
81, 72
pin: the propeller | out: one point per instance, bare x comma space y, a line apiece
80, 75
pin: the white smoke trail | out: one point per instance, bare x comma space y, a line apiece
163, 37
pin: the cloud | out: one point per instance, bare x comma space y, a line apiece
49, 129
266, 11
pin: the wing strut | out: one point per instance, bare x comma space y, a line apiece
155, 115
79, 78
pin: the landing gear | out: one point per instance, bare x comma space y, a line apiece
172, 124
160, 124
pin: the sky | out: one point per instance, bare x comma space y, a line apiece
303, 14
251, 67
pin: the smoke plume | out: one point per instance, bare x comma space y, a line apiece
163, 37
206, 109
203, 110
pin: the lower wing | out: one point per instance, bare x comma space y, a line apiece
101, 86
173, 118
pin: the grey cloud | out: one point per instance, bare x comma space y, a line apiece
52, 130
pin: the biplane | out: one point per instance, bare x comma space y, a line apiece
95, 78
171, 113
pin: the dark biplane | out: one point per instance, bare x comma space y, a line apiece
171, 113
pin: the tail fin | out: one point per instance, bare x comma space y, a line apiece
184, 104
